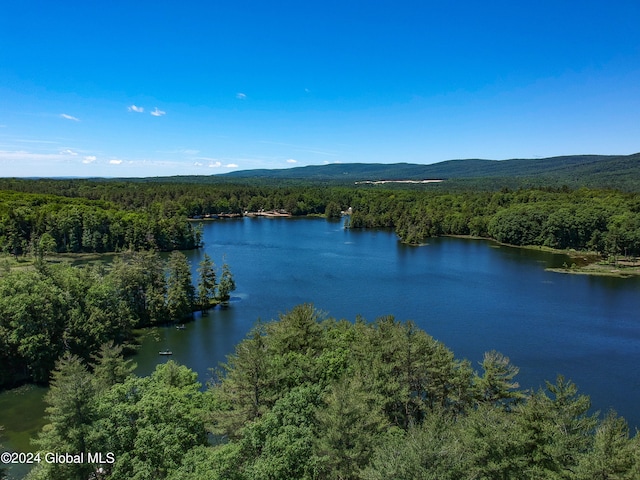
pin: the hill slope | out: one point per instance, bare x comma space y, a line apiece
614, 171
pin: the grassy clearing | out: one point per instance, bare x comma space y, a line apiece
10, 262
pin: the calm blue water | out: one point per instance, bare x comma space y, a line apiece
471, 294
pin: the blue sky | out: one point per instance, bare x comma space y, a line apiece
134, 88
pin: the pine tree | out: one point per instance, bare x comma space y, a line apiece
180, 291
227, 284
71, 411
349, 426
244, 389
110, 367
206, 290
497, 384
612, 453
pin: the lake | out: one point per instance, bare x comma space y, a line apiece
473, 295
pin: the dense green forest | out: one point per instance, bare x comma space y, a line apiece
51, 309
45, 223
308, 397
95, 216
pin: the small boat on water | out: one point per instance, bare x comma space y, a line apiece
180, 327
165, 352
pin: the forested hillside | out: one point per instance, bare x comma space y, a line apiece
597, 171
311, 398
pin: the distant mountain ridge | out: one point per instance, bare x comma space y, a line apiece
611, 171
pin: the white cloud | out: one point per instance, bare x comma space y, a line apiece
89, 159
215, 165
241, 96
291, 160
68, 151
231, 165
69, 117
158, 113
135, 108
197, 164
115, 162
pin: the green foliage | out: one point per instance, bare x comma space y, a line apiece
333, 210
394, 403
497, 385
45, 222
109, 367
226, 285
430, 451
71, 412
206, 463
349, 426
88, 216
284, 437
140, 280
58, 308
612, 454
397, 404
149, 423
32, 323
207, 285
181, 295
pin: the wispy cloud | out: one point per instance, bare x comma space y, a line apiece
89, 159
115, 162
291, 160
231, 165
215, 164
158, 113
135, 108
68, 151
69, 117
241, 96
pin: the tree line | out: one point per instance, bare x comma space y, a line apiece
606, 222
311, 398
40, 224
114, 215
53, 309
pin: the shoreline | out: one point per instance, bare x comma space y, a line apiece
588, 262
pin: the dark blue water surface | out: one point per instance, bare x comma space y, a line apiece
473, 295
